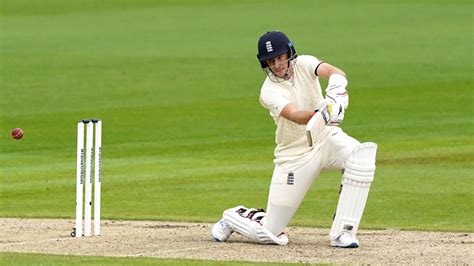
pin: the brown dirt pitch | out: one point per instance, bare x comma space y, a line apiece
193, 241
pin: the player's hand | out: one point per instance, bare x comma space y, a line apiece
336, 113
338, 96
336, 90
333, 112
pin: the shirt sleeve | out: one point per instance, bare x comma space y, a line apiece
310, 62
273, 101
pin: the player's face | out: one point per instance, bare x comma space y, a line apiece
279, 66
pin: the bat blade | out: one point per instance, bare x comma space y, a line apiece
315, 126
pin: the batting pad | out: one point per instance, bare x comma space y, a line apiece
250, 228
358, 175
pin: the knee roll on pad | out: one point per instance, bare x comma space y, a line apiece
246, 221
358, 175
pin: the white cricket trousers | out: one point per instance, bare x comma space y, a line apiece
290, 183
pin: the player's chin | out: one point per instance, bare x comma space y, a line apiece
281, 75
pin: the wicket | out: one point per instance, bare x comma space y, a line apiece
87, 173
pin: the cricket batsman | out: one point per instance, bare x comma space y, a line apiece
293, 96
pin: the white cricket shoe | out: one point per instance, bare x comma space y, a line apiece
221, 231
344, 240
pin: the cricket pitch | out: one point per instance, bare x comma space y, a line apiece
193, 241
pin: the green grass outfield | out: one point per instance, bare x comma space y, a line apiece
44, 259
176, 84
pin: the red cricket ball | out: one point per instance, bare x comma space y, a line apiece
17, 133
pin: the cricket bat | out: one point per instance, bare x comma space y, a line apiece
315, 126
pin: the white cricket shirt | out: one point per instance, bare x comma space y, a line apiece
305, 93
